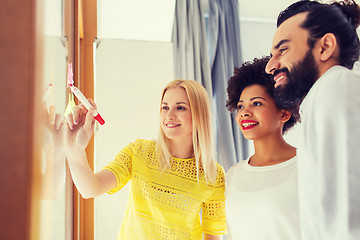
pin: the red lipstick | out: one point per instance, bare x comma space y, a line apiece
248, 124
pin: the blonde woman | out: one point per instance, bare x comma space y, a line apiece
173, 178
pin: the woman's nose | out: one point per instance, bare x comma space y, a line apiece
245, 113
170, 116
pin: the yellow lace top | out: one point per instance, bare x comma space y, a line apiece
167, 204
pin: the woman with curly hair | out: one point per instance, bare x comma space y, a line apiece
261, 191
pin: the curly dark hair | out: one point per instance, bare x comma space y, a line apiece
250, 73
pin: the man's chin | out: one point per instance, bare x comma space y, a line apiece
279, 85
283, 98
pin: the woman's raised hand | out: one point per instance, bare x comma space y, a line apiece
80, 127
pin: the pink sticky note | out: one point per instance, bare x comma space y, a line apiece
70, 76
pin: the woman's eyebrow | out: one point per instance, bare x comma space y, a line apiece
252, 99
165, 103
182, 103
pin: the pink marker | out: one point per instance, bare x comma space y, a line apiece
86, 103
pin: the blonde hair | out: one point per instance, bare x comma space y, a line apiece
202, 134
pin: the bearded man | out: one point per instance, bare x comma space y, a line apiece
314, 49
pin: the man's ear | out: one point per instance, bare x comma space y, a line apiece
285, 115
328, 46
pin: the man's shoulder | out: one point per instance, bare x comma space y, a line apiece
335, 89
335, 82
339, 75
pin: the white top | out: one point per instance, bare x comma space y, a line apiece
329, 162
262, 202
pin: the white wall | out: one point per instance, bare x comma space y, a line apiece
53, 24
130, 77
256, 37
123, 19
262, 8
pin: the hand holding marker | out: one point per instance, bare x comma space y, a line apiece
81, 96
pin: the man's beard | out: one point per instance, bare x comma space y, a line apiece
299, 81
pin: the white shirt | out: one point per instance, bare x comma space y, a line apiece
329, 157
262, 202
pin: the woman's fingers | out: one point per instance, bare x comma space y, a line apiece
77, 114
92, 102
89, 121
70, 120
82, 112
58, 120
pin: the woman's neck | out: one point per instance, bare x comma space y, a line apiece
271, 151
182, 148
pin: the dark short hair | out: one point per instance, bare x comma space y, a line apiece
339, 18
253, 73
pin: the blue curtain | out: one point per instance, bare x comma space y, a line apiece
208, 54
191, 56
225, 54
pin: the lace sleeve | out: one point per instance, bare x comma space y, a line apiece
121, 167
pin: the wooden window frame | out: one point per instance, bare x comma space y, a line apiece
20, 142
85, 35
20, 146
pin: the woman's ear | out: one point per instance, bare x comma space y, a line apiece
285, 115
328, 47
